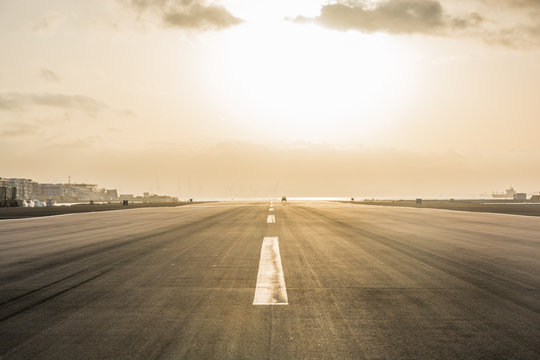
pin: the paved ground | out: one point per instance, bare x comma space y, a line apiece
20, 212
489, 206
361, 282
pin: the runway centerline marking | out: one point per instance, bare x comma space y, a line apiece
271, 209
271, 219
270, 288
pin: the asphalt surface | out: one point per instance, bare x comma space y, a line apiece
490, 206
362, 282
21, 212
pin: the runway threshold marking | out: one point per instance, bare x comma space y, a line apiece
270, 288
271, 219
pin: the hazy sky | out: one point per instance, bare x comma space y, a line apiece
256, 98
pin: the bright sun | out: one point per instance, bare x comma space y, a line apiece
307, 83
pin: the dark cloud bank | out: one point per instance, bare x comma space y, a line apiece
188, 14
430, 17
394, 16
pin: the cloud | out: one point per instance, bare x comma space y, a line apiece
19, 101
392, 16
18, 130
82, 143
49, 23
201, 17
124, 112
188, 14
49, 75
531, 4
513, 23
498, 22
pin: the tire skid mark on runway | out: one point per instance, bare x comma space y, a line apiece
118, 261
53, 225
270, 289
41, 288
206, 289
81, 255
41, 301
310, 266
109, 264
61, 234
438, 262
458, 270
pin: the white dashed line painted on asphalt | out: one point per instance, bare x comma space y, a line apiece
270, 288
271, 219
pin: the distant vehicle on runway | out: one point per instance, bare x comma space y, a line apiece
283, 198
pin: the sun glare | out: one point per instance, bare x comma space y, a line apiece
304, 82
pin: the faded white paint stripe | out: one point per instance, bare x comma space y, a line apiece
271, 219
270, 288
271, 209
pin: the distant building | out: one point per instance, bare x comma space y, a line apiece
8, 196
5, 182
153, 198
51, 191
520, 196
508, 194
129, 197
88, 187
3, 196
24, 187
163, 199
81, 192
26, 192
535, 198
8, 193
35, 189
112, 194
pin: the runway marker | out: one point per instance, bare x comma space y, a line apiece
271, 209
270, 288
271, 219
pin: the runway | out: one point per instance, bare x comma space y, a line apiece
350, 281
